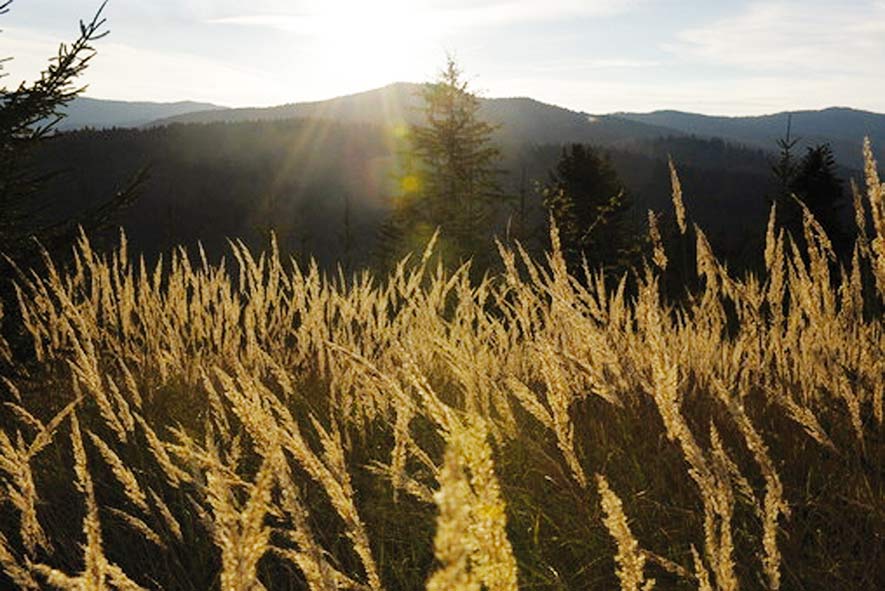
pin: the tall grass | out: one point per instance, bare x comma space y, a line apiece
258, 425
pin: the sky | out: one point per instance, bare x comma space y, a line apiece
726, 57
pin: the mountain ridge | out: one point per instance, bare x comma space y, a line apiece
528, 120
842, 127
85, 112
520, 119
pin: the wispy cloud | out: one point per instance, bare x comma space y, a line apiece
788, 35
130, 73
299, 24
491, 13
577, 65
440, 16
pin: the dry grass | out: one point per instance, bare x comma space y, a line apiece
256, 425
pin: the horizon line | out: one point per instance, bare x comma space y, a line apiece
481, 96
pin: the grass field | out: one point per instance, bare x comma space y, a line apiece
255, 425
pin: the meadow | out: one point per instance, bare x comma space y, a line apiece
256, 424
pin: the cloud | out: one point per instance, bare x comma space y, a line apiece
490, 13
577, 65
791, 36
125, 72
306, 25
320, 18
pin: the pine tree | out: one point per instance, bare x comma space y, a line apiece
29, 113
818, 185
785, 168
813, 180
449, 175
590, 206
789, 212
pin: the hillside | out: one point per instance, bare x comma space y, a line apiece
844, 128
101, 114
207, 183
302, 177
301, 167
521, 119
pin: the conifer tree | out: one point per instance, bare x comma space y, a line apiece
818, 185
813, 180
29, 113
785, 168
789, 212
590, 206
449, 175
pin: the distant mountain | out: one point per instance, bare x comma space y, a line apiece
99, 113
393, 104
844, 128
522, 120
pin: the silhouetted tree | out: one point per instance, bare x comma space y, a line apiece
29, 114
785, 168
789, 212
813, 180
589, 204
449, 177
818, 185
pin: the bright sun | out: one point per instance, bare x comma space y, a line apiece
368, 43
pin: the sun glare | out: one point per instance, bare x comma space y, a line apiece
362, 43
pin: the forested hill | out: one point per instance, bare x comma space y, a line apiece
521, 119
326, 187
843, 128
322, 175
99, 113
528, 120
209, 183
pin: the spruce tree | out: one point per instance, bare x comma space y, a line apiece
789, 212
818, 185
813, 180
29, 113
449, 175
590, 206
